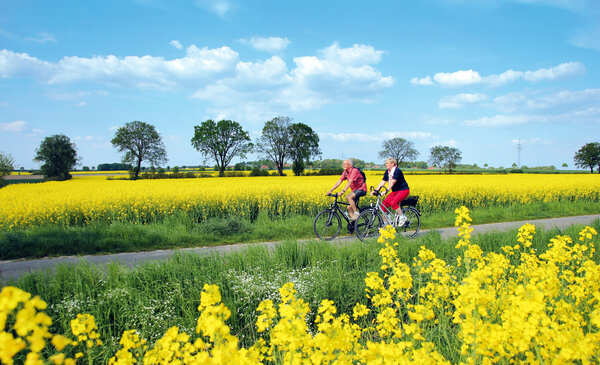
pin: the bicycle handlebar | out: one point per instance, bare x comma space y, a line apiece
378, 192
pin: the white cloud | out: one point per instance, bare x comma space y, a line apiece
409, 135
219, 77
16, 126
271, 44
460, 100
505, 120
458, 78
197, 66
560, 71
504, 78
311, 84
426, 81
22, 65
470, 77
523, 101
175, 43
358, 54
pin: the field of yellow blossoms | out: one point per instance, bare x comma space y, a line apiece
517, 306
87, 199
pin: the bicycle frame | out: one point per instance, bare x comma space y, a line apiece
379, 215
335, 206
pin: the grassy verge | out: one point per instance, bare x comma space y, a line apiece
180, 231
156, 296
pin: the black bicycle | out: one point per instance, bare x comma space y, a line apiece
371, 219
328, 224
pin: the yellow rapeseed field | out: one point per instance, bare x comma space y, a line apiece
518, 306
86, 199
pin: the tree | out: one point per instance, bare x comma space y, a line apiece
588, 156
221, 141
445, 157
304, 145
58, 156
141, 142
274, 143
399, 149
7, 164
565, 165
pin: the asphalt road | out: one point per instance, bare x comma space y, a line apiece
14, 269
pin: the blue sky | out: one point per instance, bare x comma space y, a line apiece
478, 75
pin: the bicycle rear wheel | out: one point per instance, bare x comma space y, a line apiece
367, 224
411, 227
327, 225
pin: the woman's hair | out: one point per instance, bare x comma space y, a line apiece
392, 160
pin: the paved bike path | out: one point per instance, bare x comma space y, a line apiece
14, 269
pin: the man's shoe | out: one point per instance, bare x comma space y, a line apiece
356, 214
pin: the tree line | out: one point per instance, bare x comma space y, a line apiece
282, 140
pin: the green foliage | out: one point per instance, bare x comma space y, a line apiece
445, 157
223, 227
7, 164
399, 149
304, 145
274, 143
221, 142
298, 167
257, 171
113, 167
328, 163
328, 171
58, 156
175, 175
141, 142
588, 156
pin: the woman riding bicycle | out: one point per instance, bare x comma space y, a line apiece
398, 188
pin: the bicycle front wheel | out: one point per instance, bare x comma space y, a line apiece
411, 227
327, 225
367, 224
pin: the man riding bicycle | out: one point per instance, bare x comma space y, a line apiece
398, 188
356, 182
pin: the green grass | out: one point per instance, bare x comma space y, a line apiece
181, 231
158, 295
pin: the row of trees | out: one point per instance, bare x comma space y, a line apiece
281, 141
402, 150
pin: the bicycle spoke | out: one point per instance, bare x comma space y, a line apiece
367, 225
327, 225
